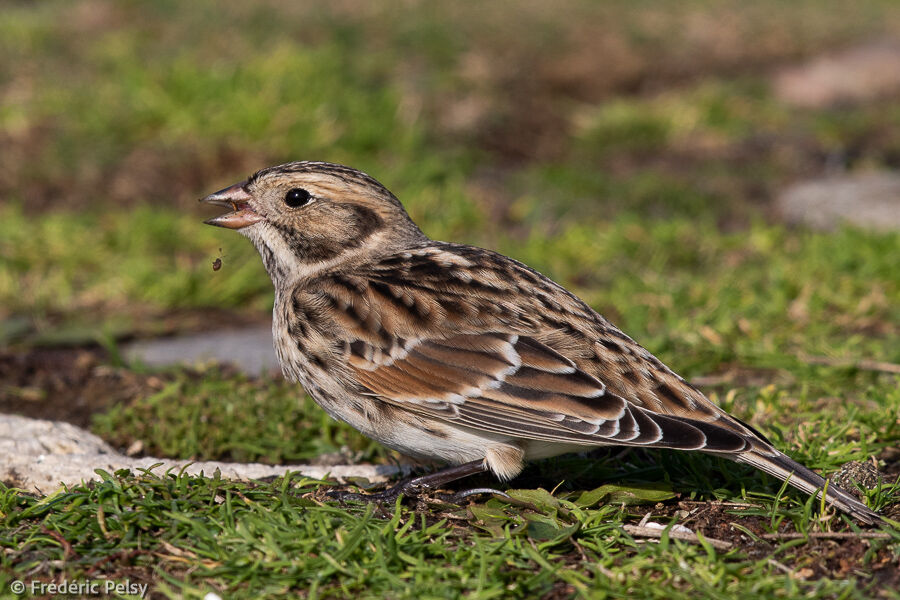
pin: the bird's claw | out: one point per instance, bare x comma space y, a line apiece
411, 489
390, 495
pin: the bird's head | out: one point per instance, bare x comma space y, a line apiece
304, 217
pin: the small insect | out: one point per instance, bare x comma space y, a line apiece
217, 264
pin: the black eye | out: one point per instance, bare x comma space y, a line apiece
296, 197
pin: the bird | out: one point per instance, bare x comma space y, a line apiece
458, 354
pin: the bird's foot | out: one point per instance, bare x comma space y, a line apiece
407, 488
418, 486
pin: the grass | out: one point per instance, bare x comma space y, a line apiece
220, 417
629, 151
192, 535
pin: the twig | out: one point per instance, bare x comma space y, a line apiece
122, 555
677, 535
717, 503
781, 567
864, 364
68, 552
827, 535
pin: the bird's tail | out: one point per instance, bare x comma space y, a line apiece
778, 465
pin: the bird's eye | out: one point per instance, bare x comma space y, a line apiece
297, 197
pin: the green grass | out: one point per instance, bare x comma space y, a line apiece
210, 416
192, 535
629, 151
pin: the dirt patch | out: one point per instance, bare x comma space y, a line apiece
125, 324
855, 75
67, 384
820, 556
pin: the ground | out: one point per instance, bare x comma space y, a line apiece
633, 152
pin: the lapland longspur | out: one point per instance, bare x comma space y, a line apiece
451, 352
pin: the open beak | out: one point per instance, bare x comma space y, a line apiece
237, 199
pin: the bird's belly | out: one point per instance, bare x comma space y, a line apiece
420, 437
405, 432
434, 441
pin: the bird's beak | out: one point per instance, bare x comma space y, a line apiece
236, 198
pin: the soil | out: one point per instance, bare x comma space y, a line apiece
67, 384
819, 557
137, 321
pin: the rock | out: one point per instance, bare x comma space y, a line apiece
856, 75
870, 200
250, 350
40, 455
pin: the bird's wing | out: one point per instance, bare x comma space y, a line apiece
425, 334
514, 385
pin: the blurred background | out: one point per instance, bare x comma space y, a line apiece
685, 167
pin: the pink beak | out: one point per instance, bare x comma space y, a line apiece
237, 198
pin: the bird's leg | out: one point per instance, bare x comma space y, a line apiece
418, 485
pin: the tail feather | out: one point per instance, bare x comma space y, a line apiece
734, 439
780, 466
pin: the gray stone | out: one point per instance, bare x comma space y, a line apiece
870, 200
250, 350
39, 456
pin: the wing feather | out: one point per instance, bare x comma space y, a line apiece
514, 385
